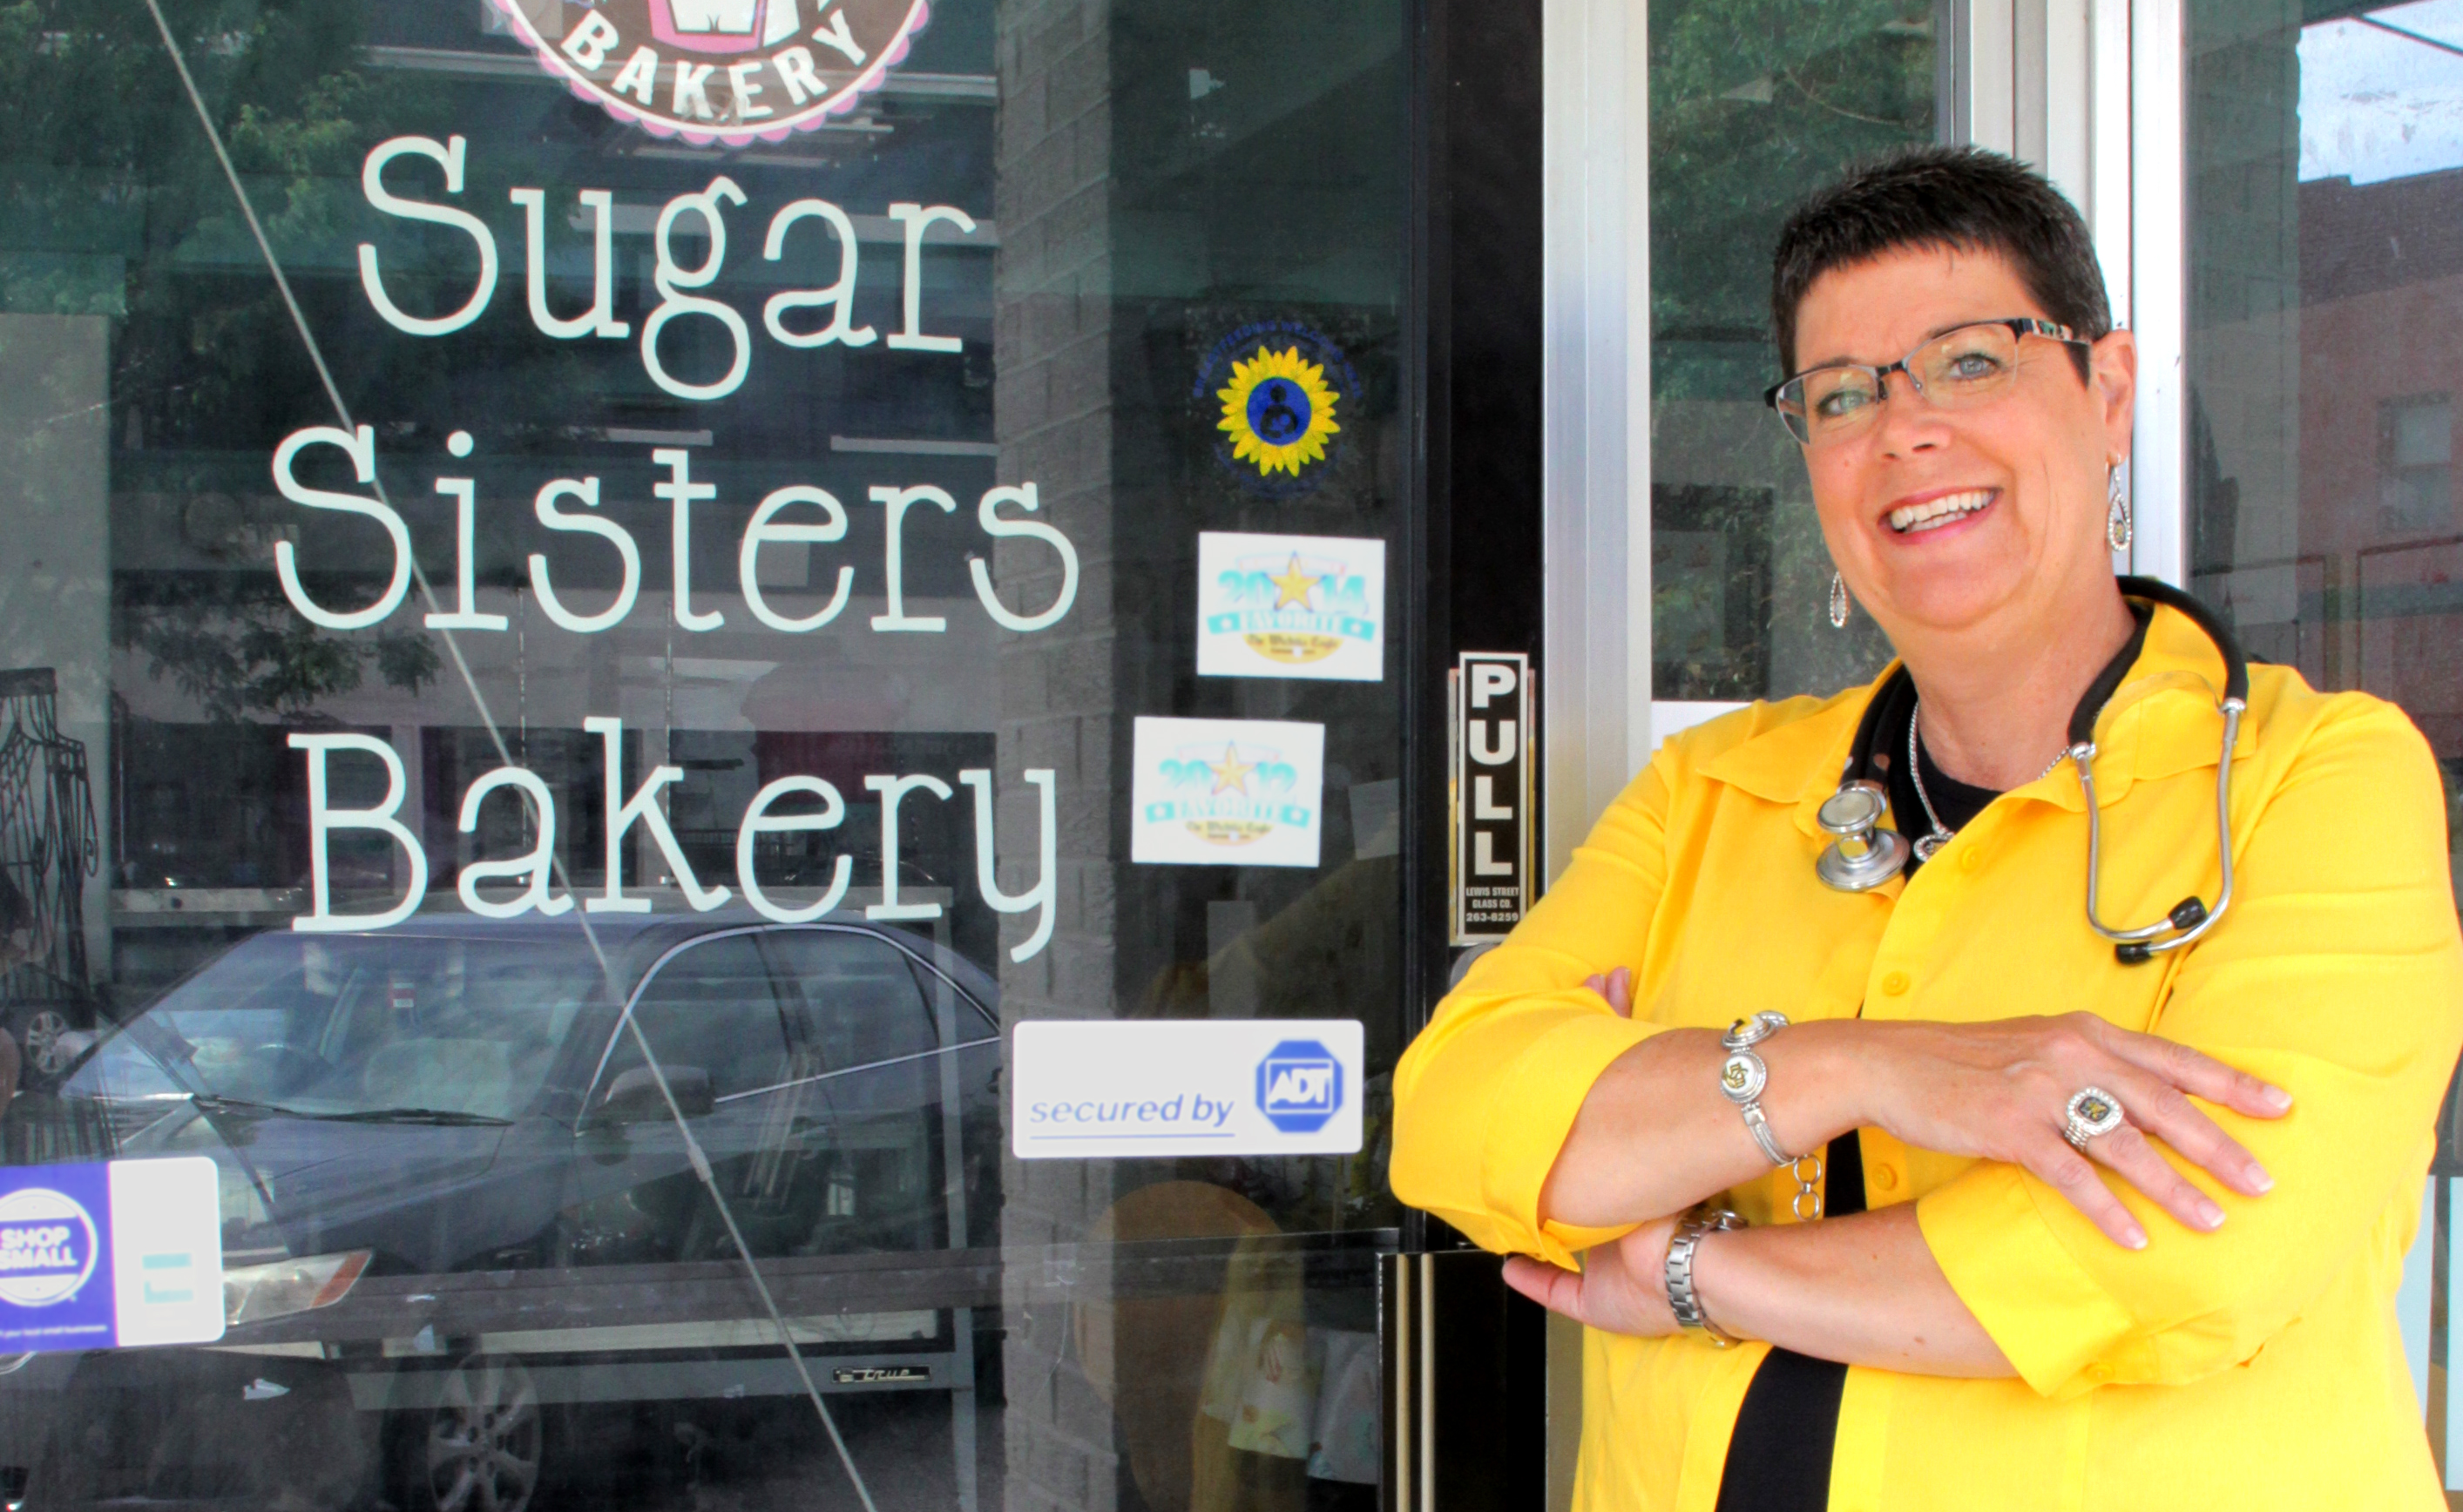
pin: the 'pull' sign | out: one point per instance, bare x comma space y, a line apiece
1494, 824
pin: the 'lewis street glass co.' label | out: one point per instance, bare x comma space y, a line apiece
93, 1256
1191, 1087
721, 70
1291, 606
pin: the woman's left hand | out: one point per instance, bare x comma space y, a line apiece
1621, 1287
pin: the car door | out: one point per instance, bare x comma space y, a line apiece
896, 1093
709, 1018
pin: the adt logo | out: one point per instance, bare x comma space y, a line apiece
1299, 1086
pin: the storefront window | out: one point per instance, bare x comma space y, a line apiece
753, 546
1752, 106
2325, 316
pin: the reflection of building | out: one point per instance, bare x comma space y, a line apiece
2381, 297
49, 846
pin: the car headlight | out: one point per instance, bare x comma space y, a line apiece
279, 1289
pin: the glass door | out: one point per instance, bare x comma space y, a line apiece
2324, 173
707, 738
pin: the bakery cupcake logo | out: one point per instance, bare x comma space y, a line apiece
724, 71
1299, 606
1278, 393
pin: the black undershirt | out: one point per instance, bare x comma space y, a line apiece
1778, 1458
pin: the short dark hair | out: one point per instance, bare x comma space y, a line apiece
1964, 199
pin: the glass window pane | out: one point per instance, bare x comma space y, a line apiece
1748, 114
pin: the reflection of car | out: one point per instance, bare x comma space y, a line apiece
472, 1170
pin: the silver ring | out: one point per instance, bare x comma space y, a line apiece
2092, 1112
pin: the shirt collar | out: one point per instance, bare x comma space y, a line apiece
2161, 720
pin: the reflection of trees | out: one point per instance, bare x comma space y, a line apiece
1753, 103
238, 648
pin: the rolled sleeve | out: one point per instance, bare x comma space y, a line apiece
2339, 977
1485, 1097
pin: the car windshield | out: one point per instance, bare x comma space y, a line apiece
355, 1025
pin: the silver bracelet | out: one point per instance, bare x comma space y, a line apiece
1682, 1299
1742, 1077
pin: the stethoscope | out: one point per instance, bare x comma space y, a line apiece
1863, 855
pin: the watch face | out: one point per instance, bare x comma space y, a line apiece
1743, 1077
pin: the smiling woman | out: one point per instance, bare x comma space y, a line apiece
1967, 1167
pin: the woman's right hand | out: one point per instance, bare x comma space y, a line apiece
2000, 1090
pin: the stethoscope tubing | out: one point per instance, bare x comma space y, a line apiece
2191, 918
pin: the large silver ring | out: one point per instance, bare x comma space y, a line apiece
2092, 1112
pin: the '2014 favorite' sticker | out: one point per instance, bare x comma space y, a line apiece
1291, 606
1227, 793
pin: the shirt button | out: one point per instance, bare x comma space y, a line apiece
1895, 983
1885, 1177
1968, 859
2098, 1372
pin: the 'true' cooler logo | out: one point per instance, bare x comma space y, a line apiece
724, 70
47, 1247
1299, 1086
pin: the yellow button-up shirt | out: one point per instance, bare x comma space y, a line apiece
2258, 1366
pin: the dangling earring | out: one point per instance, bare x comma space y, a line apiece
2116, 520
1838, 602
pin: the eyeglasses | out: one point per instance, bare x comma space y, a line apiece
1958, 369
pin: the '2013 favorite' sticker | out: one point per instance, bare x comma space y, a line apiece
1227, 793
1291, 606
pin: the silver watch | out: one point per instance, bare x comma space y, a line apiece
1682, 1299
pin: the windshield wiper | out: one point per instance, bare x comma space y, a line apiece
443, 1118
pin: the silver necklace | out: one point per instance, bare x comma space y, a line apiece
1927, 844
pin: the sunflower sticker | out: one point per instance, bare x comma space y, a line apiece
1279, 395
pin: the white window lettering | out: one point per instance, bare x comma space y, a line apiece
692, 83
640, 75
537, 865
760, 532
795, 67
758, 821
464, 491
589, 40
360, 447
987, 515
600, 318
897, 500
641, 809
323, 819
554, 519
449, 156
833, 33
839, 298
670, 278
681, 493
1039, 897
740, 85
892, 789
919, 219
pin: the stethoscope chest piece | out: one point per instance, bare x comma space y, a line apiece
1863, 855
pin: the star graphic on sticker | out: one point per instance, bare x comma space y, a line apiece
1232, 774
1293, 587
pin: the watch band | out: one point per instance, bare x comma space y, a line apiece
1682, 1299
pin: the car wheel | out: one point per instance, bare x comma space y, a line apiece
484, 1441
47, 1051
